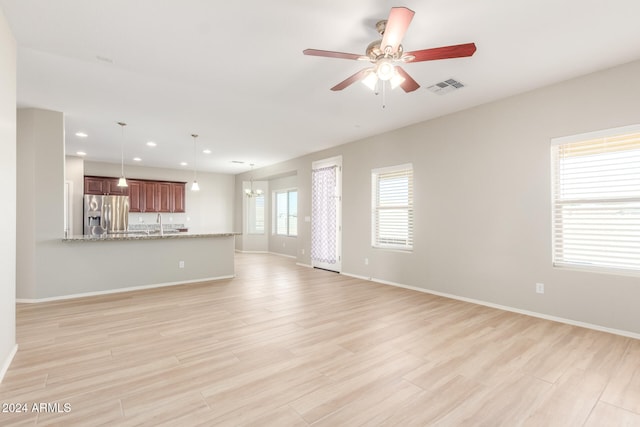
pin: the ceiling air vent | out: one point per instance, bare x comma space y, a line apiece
445, 86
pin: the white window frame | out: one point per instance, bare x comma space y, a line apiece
406, 227
596, 209
274, 229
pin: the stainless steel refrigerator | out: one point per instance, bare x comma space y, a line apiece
105, 214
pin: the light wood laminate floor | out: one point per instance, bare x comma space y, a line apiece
284, 345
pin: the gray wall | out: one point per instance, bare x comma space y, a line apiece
8, 179
40, 201
482, 201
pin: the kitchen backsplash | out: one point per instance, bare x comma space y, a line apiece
149, 221
153, 227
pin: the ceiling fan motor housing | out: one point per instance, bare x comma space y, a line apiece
375, 52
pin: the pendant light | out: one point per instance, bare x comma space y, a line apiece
249, 191
122, 182
195, 186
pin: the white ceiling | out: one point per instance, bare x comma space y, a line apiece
234, 72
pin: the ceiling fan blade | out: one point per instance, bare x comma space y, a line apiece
408, 85
331, 54
445, 52
397, 24
350, 80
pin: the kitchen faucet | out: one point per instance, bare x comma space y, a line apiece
159, 221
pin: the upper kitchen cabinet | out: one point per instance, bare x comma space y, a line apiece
136, 202
164, 197
94, 185
153, 196
178, 197
114, 190
149, 197
101, 185
170, 196
144, 195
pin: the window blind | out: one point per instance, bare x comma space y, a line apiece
596, 202
392, 216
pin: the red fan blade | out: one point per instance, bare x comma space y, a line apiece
350, 80
331, 54
397, 24
408, 85
445, 52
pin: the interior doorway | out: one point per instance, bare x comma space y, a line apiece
326, 214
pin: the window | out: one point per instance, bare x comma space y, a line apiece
392, 207
256, 214
286, 213
596, 200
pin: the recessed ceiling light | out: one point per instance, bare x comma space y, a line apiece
183, 163
81, 135
81, 153
151, 144
137, 159
207, 151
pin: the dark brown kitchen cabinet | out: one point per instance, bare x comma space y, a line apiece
100, 185
164, 197
136, 201
114, 190
178, 196
150, 196
170, 196
144, 195
94, 185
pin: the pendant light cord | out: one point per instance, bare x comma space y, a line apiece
122, 125
195, 158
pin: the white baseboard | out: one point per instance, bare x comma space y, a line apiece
504, 307
304, 265
251, 252
120, 290
7, 362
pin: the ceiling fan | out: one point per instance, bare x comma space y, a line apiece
387, 51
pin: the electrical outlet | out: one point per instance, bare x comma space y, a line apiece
302, 251
366, 261
181, 264
540, 288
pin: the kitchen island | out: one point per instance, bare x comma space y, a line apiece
113, 263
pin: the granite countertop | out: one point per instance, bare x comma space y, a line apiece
144, 236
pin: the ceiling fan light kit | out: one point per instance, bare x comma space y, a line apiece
385, 52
